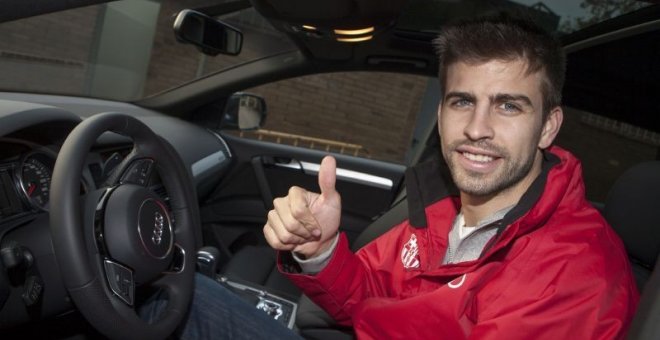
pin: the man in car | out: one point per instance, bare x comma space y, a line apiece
519, 253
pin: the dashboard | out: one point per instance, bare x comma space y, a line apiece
32, 130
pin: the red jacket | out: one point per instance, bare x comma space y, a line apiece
557, 271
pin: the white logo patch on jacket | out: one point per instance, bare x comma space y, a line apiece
409, 253
457, 282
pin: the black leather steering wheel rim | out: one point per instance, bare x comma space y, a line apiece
79, 261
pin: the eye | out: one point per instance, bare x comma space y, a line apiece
461, 102
509, 107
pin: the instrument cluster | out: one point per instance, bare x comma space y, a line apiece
26, 171
25, 184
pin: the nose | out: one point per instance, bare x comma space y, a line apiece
479, 125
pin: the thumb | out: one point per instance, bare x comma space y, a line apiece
327, 176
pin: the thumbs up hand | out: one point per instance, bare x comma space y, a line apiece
306, 222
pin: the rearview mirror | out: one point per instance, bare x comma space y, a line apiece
244, 111
211, 36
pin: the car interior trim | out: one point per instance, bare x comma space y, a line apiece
344, 174
613, 36
351, 176
222, 141
208, 163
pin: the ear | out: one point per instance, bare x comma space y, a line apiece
551, 127
439, 114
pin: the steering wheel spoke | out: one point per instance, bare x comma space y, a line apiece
121, 281
136, 168
178, 263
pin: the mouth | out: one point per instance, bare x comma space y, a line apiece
480, 158
477, 160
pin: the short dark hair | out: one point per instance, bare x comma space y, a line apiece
507, 38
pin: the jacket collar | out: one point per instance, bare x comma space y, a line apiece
427, 183
430, 181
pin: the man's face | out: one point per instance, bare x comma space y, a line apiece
491, 126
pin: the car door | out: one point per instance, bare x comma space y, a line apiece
368, 121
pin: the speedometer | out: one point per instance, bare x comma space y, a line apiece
34, 179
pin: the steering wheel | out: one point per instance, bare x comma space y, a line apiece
123, 236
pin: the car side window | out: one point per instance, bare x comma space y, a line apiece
610, 108
365, 114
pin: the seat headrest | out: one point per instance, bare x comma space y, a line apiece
633, 209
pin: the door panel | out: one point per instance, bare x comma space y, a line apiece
262, 171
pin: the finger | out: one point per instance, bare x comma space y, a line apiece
273, 241
286, 219
299, 202
282, 234
328, 175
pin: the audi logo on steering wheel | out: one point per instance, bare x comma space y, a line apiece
159, 225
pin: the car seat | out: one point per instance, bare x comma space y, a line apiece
633, 209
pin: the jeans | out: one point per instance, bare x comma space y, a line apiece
217, 313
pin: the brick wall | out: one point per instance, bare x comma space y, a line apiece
375, 110
55, 47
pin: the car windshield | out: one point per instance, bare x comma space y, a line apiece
123, 50
126, 50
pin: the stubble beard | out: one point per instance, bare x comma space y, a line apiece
510, 173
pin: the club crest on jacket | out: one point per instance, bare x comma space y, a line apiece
409, 253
